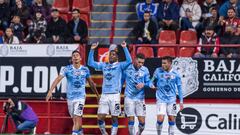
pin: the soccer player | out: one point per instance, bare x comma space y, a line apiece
111, 88
167, 82
137, 78
76, 75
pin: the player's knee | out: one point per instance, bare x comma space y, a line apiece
171, 118
160, 118
100, 117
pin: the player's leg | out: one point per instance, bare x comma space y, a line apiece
129, 109
71, 112
171, 112
103, 110
115, 109
77, 116
161, 111
141, 113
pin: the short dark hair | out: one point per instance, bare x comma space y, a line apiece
232, 8
113, 51
168, 58
76, 51
75, 9
54, 10
140, 56
147, 12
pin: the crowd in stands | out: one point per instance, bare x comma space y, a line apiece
35, 21
214, 22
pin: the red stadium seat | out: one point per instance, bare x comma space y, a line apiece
167, 36
65, 17
85, 17
82, 5
1, 33
186, 51
147, 51
187, 38
166, 51
61, 5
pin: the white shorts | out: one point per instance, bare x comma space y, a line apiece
75, 107
110, 102
134, 107
167, 108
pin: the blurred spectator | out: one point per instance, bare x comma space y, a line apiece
4, 15
229, 38
1, 40
148, 5
9, 38
232, 20
207, 5
38, 24
42, 6
37, 38
28, 2
168, 15
57, 29
212, 20
50, 2
208, 37
190, 13
22, 10
78, 28
146, 30
228, 4
17, 27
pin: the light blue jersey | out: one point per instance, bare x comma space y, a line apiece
133, 77
167, 84
112, 73
76, 81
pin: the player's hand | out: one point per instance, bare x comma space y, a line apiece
153, 87
94, 45
181, 107
49, 96
98, 98
140, 86
124, 44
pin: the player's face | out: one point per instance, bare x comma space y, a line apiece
138, 63
166, 65
76, 58
113, 57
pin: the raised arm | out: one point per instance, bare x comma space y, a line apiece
127, 55
91, 62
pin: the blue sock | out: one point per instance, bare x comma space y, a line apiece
115, 124
100, 122
75, 131
159, 123
141, 124
171, 123
131, 123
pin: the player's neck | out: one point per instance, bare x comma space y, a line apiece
76, 65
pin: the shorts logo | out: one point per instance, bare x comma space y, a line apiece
187, 68
189, 120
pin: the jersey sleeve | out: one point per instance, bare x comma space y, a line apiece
179, 87
128, 61
147, 81
92, 63
63, 72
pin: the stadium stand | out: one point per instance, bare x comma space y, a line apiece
147, 51
62, 5
187, 38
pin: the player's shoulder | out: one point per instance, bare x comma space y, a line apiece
85, 68
144, 68
68, 67
175, 72
159, 69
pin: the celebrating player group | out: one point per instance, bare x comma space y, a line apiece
165, 81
